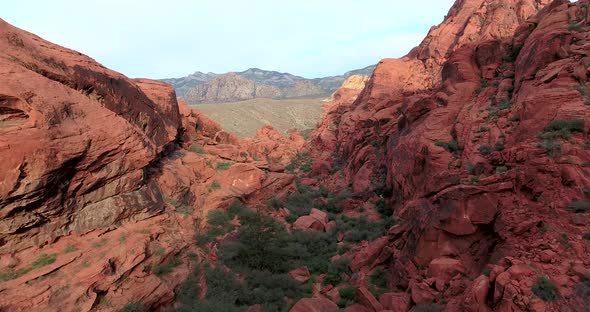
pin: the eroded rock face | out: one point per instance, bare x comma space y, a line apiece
75, 138
456, 136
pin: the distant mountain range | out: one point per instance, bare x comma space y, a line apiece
255, 83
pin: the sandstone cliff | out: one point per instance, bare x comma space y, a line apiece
477, 140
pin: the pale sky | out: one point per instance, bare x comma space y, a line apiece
163, 39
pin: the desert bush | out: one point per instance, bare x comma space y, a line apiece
499, 146
347, 296
501, 169
485, 150
336, 271
452, 147
552, 147
586, 236
378, 278
214, 186
579, 206
384, 209
224, 165
165, 268
545, 289
134, 306
482, 129
196, 148
303, 162
571, 125
515, 118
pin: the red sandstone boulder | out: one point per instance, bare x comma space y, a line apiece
366, 298
301, 275
308, 223
445, 268
396, 302
314, 305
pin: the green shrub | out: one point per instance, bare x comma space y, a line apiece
545, 289
485, 150
505, 104
218, 218
471, 169
552, 147
514, 52
571, 125
452, 147
384, 209
70, 248
482, 129
515, 118
586, 236
501, 169
347, 296
357, 230
303, 162
165, 268
499, 146
134, 306
196, 148
378, 278
579, 206
473, 180
214, 186
43, 260
336, 271
224, 165
585, 92
573, 26
275, 203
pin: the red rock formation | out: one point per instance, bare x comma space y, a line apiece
96, 193
458, 131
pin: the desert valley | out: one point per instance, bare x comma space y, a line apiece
455, 178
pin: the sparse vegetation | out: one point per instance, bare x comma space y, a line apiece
473, 180
514, 52
302, 162
245, 118
579, 206
501, 169
499, 146
545, 289
134, 306
452, 147
552, 147
70, 248
485, 150
515, 118
585, 92
41, 261
165, 268
482, 129
505, 104
196, 148
586, 236
224, 165
214, 186
347, 296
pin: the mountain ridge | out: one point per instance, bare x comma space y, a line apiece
251, 83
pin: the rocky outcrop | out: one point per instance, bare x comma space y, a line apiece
476, 139
62, 170
105, 179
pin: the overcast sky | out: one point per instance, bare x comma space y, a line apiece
162, 39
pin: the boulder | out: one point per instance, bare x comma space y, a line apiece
301, 275
314, 305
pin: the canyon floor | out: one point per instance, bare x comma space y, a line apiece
246, 117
